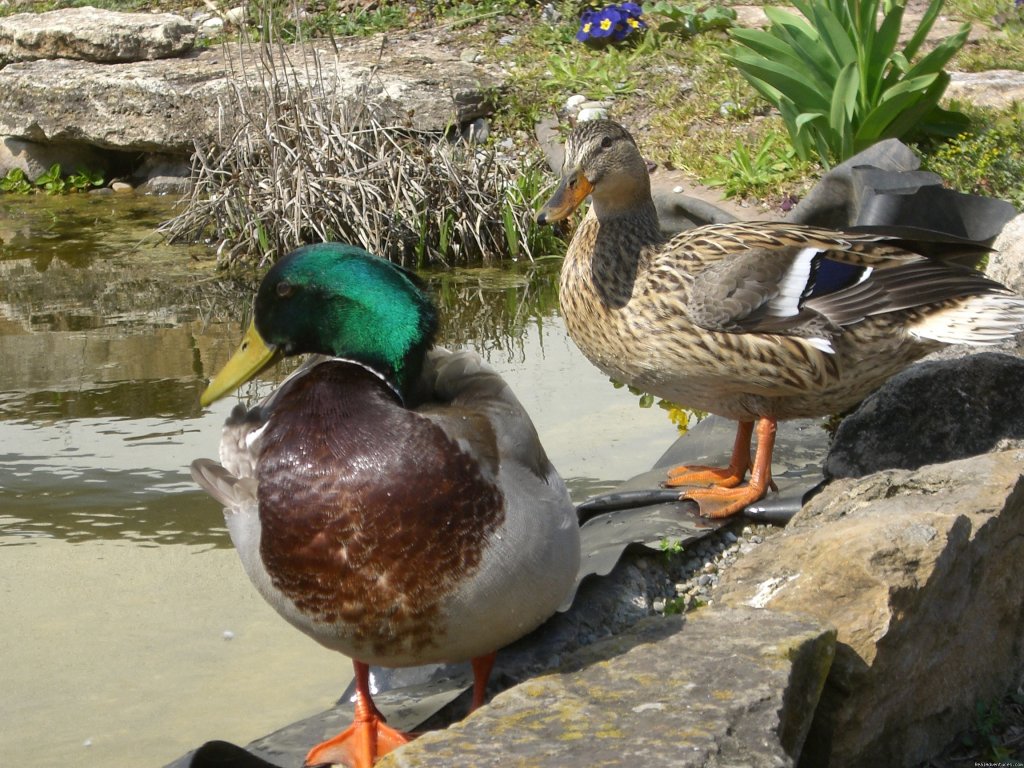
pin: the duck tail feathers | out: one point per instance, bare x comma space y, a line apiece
229, 490
983, 319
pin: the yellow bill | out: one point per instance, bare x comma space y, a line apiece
252, 356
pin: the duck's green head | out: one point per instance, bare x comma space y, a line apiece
339, 300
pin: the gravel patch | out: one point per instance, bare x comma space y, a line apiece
683, 579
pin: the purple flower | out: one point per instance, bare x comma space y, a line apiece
613, 23
586, 26
605, 22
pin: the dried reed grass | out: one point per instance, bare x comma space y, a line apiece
302, 165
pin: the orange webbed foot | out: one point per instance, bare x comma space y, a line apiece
367, 739
358, 746
699, 474
725, 502
721, 477
727, 497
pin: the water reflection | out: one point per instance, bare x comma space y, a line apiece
109, 336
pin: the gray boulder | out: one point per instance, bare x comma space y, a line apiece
933, 412
92, 34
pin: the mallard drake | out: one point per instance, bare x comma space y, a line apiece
753, 321
391, 499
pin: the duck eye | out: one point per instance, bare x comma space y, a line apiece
285, 289
606, 142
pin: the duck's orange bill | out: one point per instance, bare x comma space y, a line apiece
572, 190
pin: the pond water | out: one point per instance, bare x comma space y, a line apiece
130, 633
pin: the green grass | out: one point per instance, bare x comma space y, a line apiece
987, 160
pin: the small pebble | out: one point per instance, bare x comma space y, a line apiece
574, 101
228, 635
592, 113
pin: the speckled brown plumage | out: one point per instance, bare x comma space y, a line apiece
679, 317
757, 320
341, 538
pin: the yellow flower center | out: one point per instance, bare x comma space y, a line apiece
606, 24
633, 23
586, 28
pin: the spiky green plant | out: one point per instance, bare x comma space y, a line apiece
842, 81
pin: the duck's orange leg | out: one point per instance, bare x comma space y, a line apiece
368, 738
482, 666
724, 500
724, 477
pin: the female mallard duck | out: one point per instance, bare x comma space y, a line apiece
753, 321
392, 500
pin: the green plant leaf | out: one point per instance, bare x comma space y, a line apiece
924, 27
939, 56
844, 98
811, 59
785, 80
901, 98
879, 57
837, 38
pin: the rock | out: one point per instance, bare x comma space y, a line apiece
933, 412
211, 27
236, 16
920, 573
165, 185
724, 688
93, 34
168, 105
1006, 262
997, 88
35, 159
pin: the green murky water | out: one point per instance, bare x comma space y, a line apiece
117, 581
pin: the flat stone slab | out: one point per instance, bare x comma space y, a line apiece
93, 34
168, 105
724, 687
996, 88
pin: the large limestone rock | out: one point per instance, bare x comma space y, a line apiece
933, 412
93, 35
166, 105
1006, 262
996, 89
920, 572
724, 688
